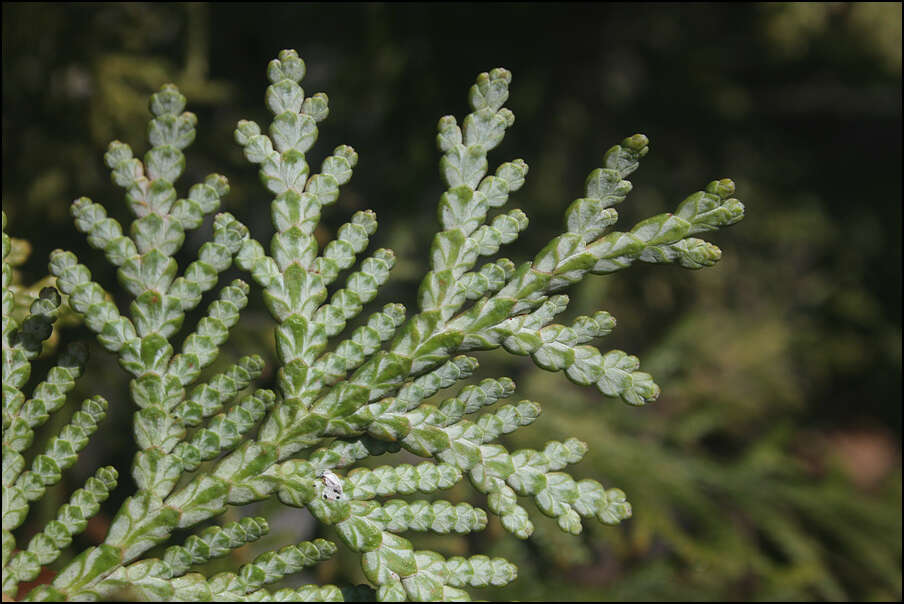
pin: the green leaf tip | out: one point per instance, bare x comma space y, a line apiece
168, 101
289, 66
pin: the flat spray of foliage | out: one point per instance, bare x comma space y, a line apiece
338, 401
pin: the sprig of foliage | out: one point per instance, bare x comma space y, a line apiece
201, 450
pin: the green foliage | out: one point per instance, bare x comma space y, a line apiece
204, 450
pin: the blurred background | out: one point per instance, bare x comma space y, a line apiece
770, 468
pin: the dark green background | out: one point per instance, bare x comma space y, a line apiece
771, 466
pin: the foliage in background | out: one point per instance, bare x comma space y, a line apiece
798, 333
